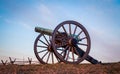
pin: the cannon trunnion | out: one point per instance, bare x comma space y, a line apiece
69, 42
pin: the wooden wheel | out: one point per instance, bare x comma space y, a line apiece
43, 50
71, 42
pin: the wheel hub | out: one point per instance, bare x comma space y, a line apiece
50, 48
72, 41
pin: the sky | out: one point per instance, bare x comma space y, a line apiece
18, 18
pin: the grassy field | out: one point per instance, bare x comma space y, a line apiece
108, 68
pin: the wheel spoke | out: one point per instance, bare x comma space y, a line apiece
45, 55
73, 54
68, 53
82, 38
52, 58
83, 44
70, 29
64, 29
42, 51
48, 57
58, 32
46, 39
59, 49
41, 46
64, 50
43, 42
79, 33
75, 30
57, 58
64, 53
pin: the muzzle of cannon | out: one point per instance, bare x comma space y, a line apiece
69, 42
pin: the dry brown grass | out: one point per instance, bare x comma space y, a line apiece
110, 68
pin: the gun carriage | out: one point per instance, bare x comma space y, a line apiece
69, 42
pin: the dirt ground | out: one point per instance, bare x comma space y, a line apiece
106, 68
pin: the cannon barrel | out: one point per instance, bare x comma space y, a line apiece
44, 31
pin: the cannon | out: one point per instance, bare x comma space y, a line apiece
69, 42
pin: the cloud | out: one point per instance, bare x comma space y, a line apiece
27, 26
16, 22
45, 11
47, 16
29, 18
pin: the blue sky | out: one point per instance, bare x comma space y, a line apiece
18, 19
